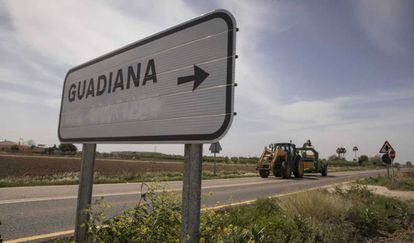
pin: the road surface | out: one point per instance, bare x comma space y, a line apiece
31, 211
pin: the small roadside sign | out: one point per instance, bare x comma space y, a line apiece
386, 159
392, 154
176, 86
386, 148
215, 148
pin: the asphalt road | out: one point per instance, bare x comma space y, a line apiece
29, 211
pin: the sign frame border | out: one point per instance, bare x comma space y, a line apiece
178, 138
383, 146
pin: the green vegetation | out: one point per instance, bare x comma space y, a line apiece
363, 161
403, 180
173, 157
68, 148
72, 178
349, 215
14, 148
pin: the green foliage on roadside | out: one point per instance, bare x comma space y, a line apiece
68, 148
344, 215
363, 159
14, 148
403, 180
156, 218
173, 157
72, 178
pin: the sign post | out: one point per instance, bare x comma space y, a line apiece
176, 86
84, 191
191, 200
388, 157
215, 148
391, 154
355, 149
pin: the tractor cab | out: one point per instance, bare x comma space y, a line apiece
288, 148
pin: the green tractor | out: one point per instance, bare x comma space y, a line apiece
283, 159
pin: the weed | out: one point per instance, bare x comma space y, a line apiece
403, 180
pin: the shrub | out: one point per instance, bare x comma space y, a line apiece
376, 160
156, 218
68, 148
14, 148
353, 214
362, 159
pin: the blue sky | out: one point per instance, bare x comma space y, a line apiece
337, 72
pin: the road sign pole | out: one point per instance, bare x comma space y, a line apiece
193, 154
388, 171
215, 165
84, 191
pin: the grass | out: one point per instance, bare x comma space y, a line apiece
354, 214
403, 180
72, 178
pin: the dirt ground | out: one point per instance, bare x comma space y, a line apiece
43, 165
382, 190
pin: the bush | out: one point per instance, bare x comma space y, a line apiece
362, 159
14, 148
402, 181
333, 157
68, 148
376, 160
156, 218
345, 215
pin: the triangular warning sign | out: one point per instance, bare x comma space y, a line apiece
386, 148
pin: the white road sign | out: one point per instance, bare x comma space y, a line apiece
386, 147
176, 86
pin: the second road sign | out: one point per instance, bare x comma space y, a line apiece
176, 86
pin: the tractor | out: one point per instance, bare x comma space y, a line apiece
284, 158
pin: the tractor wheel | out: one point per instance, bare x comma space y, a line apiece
286, 172
277, 168
264, 173
299, 168
324, 171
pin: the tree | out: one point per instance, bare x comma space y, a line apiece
376, 160
68, 148
333, 157
362, 159
408, 163
341, 151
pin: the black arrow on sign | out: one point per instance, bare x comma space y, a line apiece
198, 77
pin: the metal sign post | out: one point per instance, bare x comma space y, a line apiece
84, 191
215, 148
355, 149
193, 155
391, 154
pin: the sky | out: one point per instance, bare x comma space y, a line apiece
340, 73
